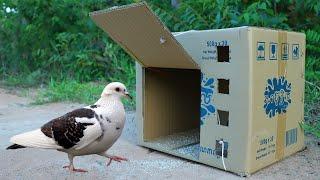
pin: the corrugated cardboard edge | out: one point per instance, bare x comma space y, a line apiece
116, 8
274, 29
250, 101
139, 101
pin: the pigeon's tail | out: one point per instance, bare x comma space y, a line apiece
35, 139
15, 146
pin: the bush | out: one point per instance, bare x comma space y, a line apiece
56, 39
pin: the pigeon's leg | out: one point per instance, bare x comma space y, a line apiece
112, 158
71, 167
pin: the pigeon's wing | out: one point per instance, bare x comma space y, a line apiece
75, 129
35, 139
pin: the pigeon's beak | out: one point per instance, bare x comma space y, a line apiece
128, 95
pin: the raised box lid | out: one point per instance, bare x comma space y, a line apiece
143, 36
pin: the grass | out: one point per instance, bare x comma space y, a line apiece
312, 109
73, 91
23, 79
312, 128
121, 70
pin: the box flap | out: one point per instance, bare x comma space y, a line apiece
143, 36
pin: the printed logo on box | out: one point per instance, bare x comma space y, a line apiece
207, 90
277, 96
295, 51
261, 51
273, 51
284, 51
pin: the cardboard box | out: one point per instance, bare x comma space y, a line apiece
240, 86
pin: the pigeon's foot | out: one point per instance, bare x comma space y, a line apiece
116, 158
72, 169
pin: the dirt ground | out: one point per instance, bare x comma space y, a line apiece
16, 116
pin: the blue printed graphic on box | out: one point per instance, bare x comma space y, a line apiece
207, 90
273, 51
277, 96
295, 51
261, 51
284, 51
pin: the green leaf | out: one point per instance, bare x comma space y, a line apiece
263, 6
246, 18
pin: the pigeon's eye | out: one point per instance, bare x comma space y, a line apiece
117, 89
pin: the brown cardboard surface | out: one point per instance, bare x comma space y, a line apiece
169, 96
238, 72
246, 75
281, 132
172, 99
275, 128
282, 118
143, 36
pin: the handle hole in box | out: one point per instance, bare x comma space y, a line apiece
223, 118
223, 53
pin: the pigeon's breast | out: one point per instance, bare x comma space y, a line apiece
112, 132
112, 124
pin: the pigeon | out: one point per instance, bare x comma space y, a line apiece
89, 130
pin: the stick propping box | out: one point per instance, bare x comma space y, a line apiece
243, 86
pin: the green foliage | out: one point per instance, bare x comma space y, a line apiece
312, 95
56, 43
25, 80
56, 38
312, 128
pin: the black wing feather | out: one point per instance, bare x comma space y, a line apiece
66, 131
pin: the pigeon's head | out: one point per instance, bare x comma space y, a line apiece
116, 89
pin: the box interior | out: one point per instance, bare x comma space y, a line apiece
172, 110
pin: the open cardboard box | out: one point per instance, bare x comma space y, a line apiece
232, 96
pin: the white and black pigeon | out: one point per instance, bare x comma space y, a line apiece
88, 130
